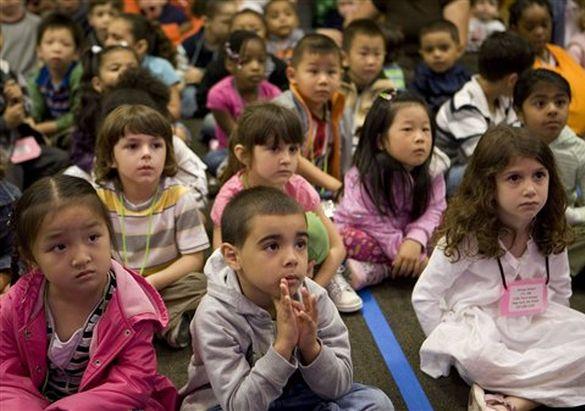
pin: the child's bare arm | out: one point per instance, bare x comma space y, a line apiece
336, 251
316, 176
216, 237
186, 264
175, 102
224, 120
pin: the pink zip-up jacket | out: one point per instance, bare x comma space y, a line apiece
357, 210
121, 374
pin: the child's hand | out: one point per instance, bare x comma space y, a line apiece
14, 115
307, 319
193, 75
407, 261
12, 92
287, 332
4, 282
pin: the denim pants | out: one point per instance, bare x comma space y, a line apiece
299, 396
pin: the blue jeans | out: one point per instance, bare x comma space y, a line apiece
454, 178
300, 397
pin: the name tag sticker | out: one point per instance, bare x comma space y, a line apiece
25, 149
524, 297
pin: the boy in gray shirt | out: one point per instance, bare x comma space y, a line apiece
265, 336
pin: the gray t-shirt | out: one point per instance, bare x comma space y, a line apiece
20, 41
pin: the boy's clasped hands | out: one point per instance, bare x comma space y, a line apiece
296, 324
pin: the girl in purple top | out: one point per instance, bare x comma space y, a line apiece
392, 200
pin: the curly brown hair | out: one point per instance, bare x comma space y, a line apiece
472, 212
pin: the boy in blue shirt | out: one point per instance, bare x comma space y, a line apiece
439, 76
54, 86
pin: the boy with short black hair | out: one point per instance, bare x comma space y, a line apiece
314, 75
266, 335
484, 101
53, 88
439, 75
364, 44
201, 49
99, 15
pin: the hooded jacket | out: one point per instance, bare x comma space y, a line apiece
121, 373
232, 349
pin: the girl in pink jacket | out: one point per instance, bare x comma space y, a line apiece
76, 331
392, 199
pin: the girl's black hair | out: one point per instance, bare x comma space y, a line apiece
530, 79
158, 43
89, 108
380, 172
236, 42
518, 7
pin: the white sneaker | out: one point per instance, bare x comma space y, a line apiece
343, 296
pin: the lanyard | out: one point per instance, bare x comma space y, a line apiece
148, 233
504, 278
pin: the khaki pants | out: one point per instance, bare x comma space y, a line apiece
577, 251
183, 296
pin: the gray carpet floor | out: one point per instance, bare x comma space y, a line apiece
393, 297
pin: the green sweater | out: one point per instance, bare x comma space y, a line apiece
40, 110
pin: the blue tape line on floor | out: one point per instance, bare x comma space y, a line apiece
396, 362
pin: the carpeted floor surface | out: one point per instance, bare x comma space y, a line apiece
393, 297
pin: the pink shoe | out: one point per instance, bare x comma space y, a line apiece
362, 273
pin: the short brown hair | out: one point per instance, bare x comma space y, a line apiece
314, 43
473, 210
131, 119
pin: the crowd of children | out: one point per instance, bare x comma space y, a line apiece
338, 169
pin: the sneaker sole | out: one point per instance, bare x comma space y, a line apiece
351, 309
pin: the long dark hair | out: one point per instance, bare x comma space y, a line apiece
380, 172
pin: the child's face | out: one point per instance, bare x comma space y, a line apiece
346, 7
57, 48
249, 22
112, 66
281, 18
439, 51
151, 9
409, 137
535, 26
273, 165
100, 17
72, 249
217, 28
365, 59
317, 76
545, 112
250, 70
485, 10
120, 33
521, 191
275, 249
139, 160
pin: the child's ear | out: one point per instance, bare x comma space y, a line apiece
230, 66
231, 256
344, 59
96, 83
241, 154
290, 74
460, 50
141, 47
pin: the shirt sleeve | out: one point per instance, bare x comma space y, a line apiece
220, 97
190, 232
227, 191
422, 228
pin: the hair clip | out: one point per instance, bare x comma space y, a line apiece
230, 53
95, 49
388, 95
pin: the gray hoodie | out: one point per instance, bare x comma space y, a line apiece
232, 349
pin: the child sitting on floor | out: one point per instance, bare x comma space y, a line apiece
265, 336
